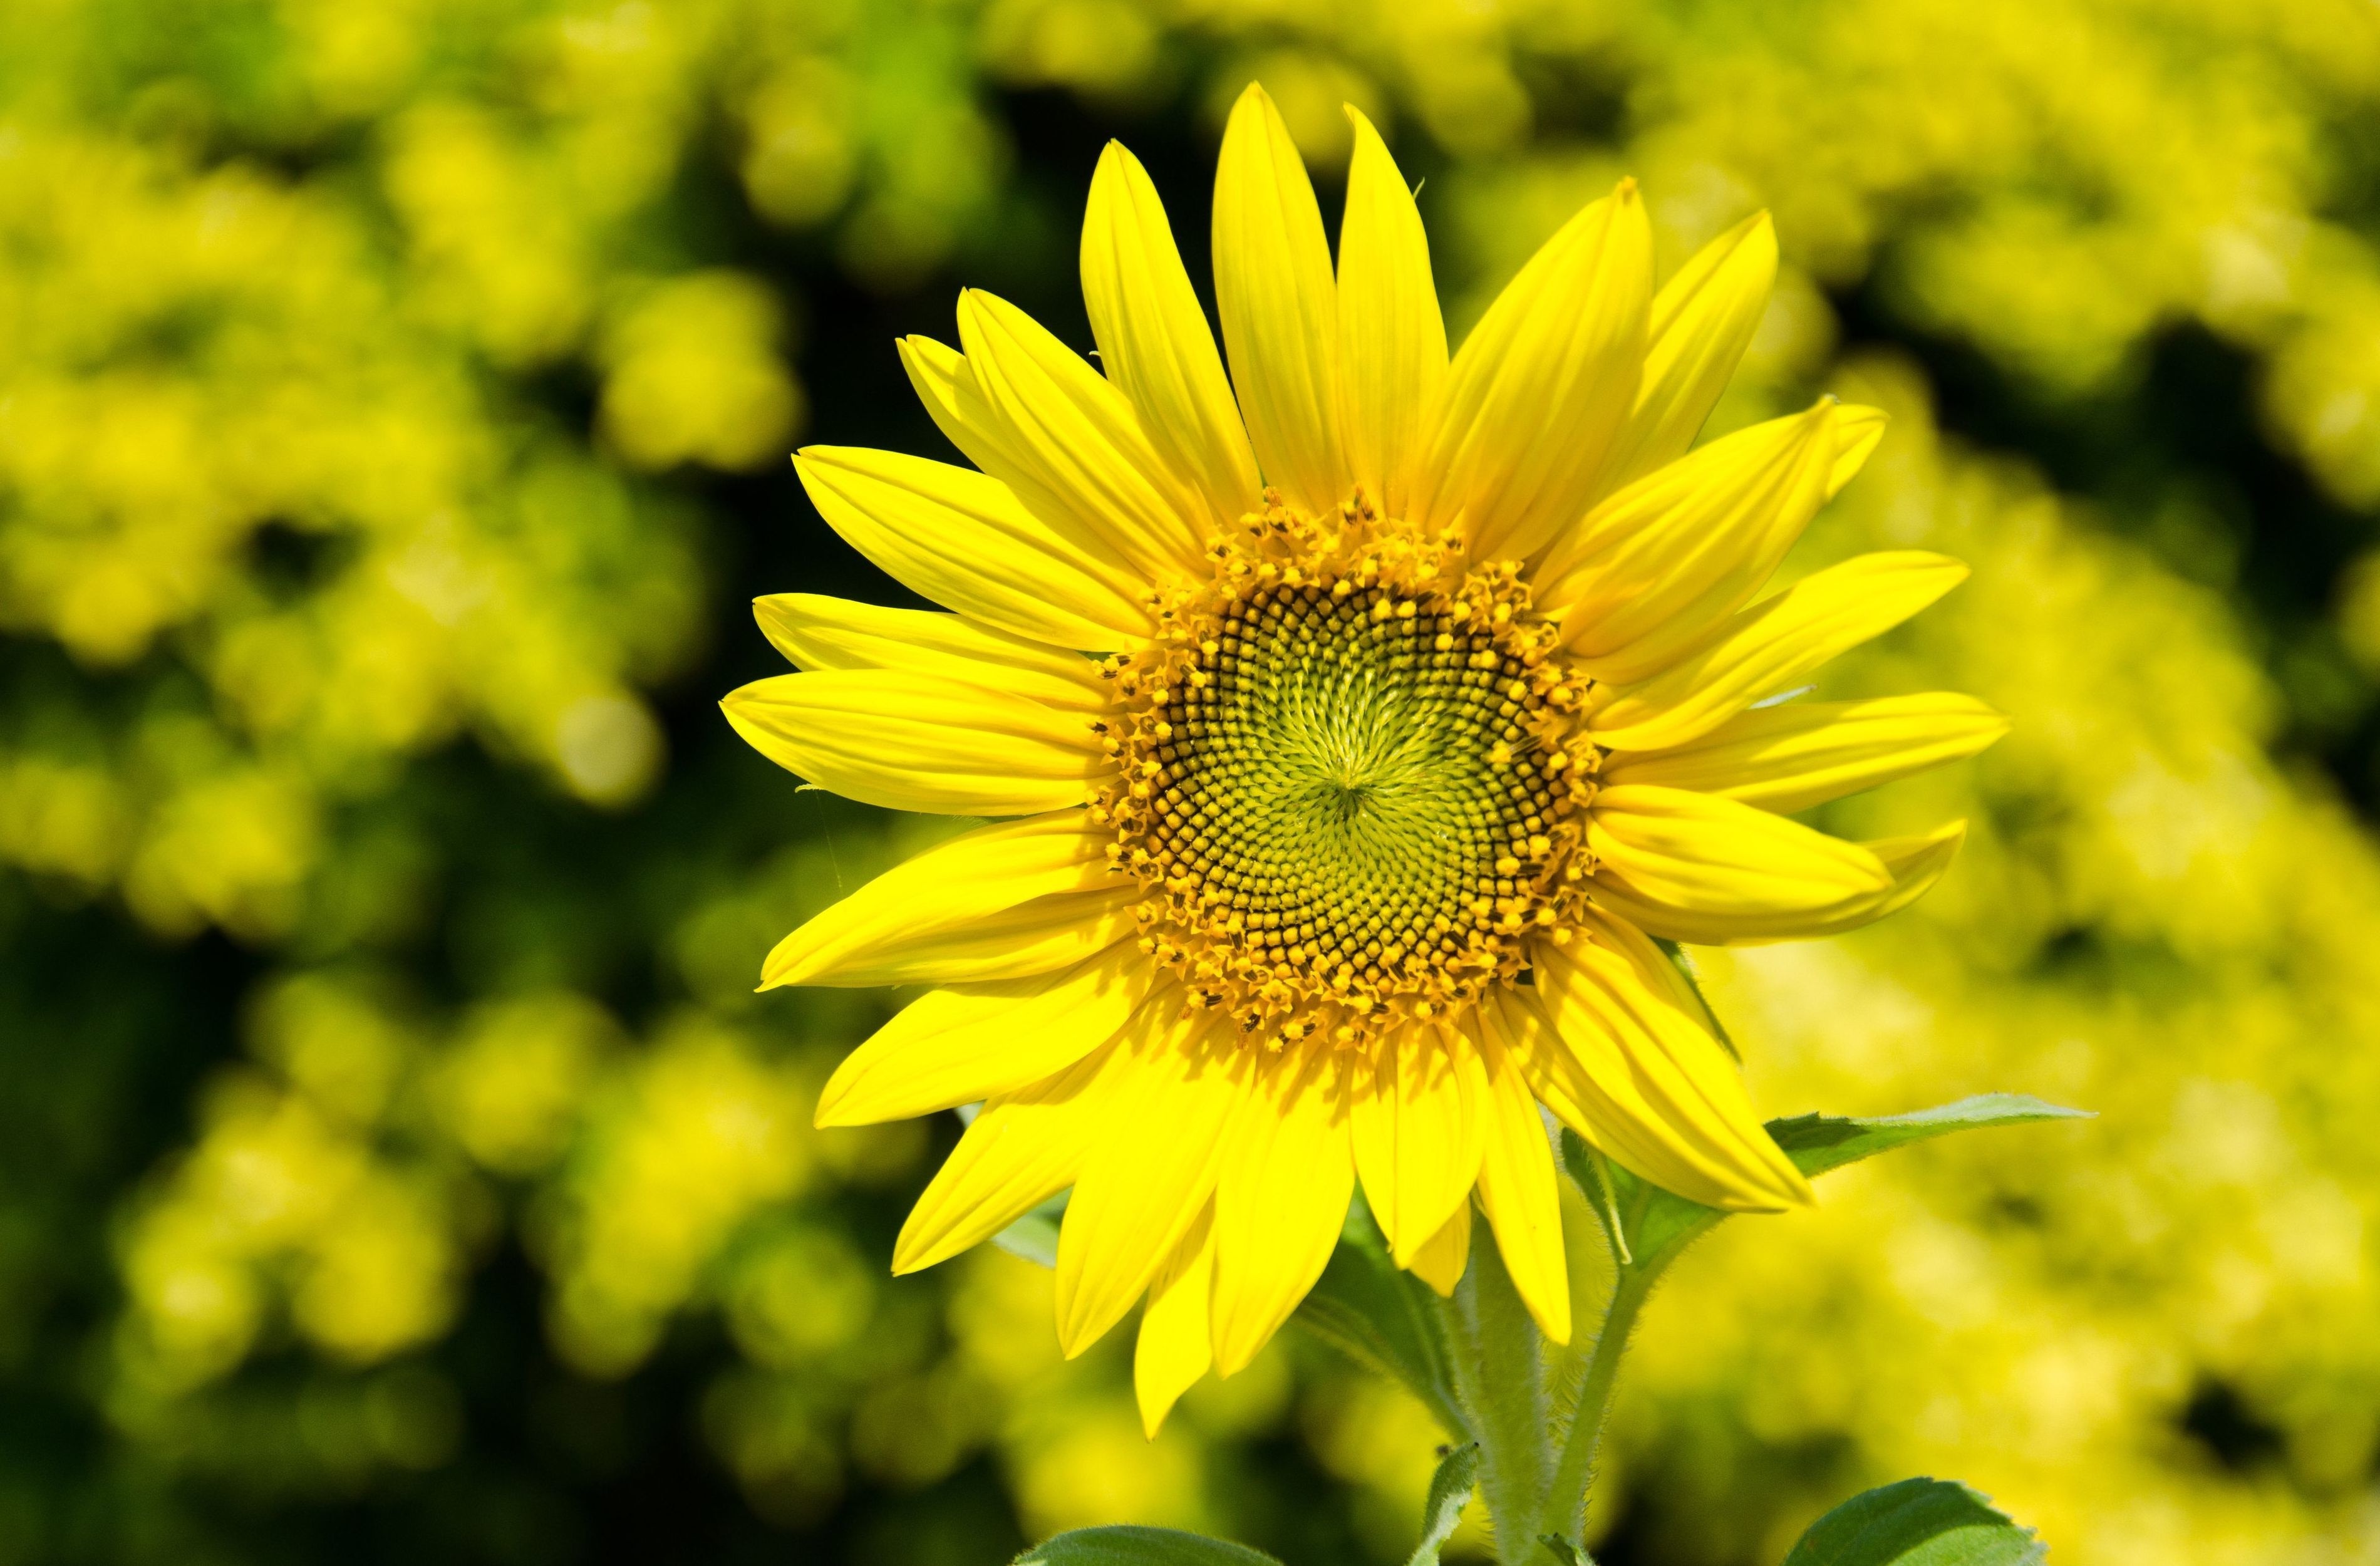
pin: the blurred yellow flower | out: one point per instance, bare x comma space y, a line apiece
1422, 675
695, 1139
276, 1191
693, 374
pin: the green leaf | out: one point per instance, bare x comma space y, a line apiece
1562, 1549
1819, 1143
1918, 1523
1382, 1317
1648, 1226
1035, 1236
1449, 1492
1140, 1547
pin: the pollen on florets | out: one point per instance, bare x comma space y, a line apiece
1349, 777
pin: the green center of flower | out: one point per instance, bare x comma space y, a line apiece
1342, 777
1349, 776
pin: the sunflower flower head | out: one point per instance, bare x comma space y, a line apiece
1358, 721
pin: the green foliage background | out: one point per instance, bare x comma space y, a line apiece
395, 1163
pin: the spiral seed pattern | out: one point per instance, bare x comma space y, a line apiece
1333, 777
1347, 791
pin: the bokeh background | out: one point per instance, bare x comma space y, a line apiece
395, 396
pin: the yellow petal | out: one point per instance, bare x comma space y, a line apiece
916, 742
1542, 385
1278, 303
1915, 863
1150, 1176
975, 1041
1702, 321
1518, 1192
1074, 436
947, 383
1664, 974
1416, 1118
964, 540
817, 632
1282, 1199
1674, 848
1173, 1351
1439, 1263
936, 372
1513, 1019
1672, 1106
1789, 758
1597, 1092
1859, 430
913, 922
1654, 571
1770, 647
1022, 1150
1155, 344
1391, 338
1038, 936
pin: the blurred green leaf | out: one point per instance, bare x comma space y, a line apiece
1916, 1523
1381, 1316
1140, 1547
1035, 1236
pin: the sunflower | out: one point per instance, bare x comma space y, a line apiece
1357, 726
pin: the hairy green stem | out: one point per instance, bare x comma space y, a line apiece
1500, 1373
1565, 1511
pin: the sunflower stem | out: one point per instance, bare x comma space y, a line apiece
1500, 1374
1565, 1510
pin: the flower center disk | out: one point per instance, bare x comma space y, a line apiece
1346, 792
